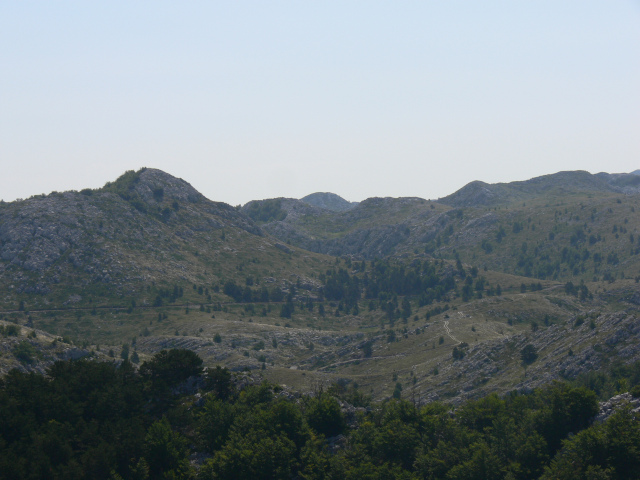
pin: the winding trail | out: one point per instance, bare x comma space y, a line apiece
446, 327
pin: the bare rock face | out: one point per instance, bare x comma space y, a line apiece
296, 209
276, 210
475, 223
38, 233
627, 183
168, 198
615, 403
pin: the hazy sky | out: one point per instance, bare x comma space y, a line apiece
258, 99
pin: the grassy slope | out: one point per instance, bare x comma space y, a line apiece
312, 350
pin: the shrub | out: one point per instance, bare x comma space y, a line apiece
25, 352
324, 415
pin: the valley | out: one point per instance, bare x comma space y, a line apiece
433, 299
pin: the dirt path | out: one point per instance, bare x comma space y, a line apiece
446, 327
354, 360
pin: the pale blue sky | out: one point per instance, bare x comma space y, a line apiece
248, 100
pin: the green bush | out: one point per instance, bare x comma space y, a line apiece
25, 352
9, 330
324, 415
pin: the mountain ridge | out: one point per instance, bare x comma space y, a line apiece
479, 214
145, 227
561, 183
393, 286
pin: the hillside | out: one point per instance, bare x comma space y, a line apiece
143, 232
439, 299
565, 226
372, 229
26, 349
561, 184
172, 418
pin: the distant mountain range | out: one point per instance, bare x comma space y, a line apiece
287, 285
148, 226
478, 222
562, 183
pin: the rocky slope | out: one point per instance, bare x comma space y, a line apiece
628, 183
565, 351
89, 265
569, 225
147, 227
371, 229
30, 350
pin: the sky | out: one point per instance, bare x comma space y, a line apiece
248, 100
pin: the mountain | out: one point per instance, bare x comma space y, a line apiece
478, 194
329, 201
439, 296
146, 229
569, 225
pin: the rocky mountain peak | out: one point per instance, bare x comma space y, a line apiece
153, 186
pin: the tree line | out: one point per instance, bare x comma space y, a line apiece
89, 419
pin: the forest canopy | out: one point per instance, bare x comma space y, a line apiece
100, 420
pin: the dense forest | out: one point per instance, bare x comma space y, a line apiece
171, 419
